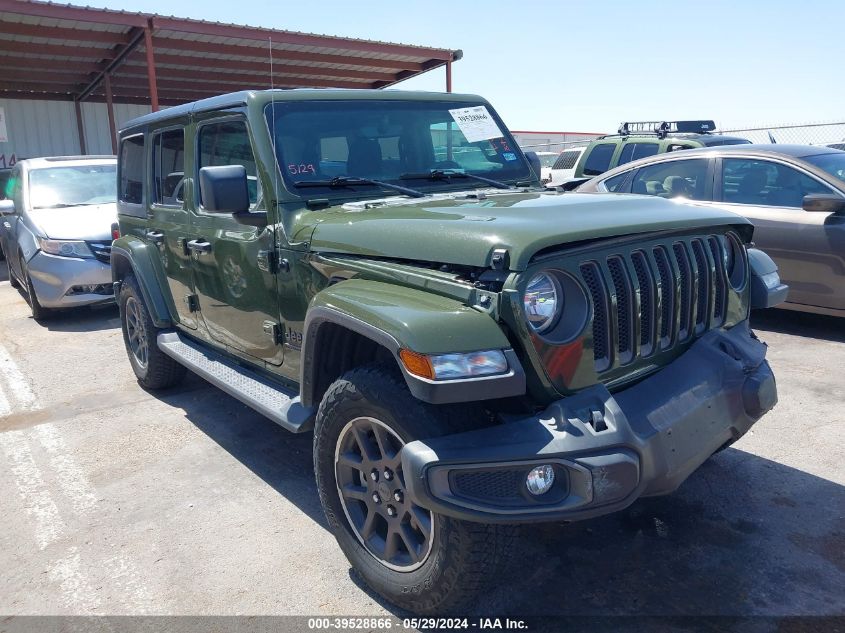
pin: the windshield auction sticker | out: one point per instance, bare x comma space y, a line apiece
476, 123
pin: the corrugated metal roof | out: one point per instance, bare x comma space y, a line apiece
56, 51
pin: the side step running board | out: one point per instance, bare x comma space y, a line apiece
254, 390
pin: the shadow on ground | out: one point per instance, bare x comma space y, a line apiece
83, 319
817, 326
743, 536
281, 458
4, 270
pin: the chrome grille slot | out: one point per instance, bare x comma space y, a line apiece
598, 297
685, 281
624, 308
704, 285
667, 296
655, 298
648, 311
101, 250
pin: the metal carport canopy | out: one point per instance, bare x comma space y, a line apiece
72, 53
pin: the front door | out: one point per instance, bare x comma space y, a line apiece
808, 247
235, 287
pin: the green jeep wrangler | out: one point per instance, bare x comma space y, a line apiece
646, 138
471, 351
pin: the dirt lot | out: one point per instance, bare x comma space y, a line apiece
118, 501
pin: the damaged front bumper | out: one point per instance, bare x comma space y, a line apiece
606, 449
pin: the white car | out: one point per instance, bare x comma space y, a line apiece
547, 159
564, 167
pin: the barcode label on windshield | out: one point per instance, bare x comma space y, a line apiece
476, 123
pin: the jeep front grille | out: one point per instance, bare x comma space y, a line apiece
655, 298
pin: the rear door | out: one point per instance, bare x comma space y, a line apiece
234, 282
809, 248
169, 225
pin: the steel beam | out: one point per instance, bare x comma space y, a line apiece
281, 56
80, 128
297, 39
136, 62
151, 65
59, 33
110, 108
117, 58
68, 12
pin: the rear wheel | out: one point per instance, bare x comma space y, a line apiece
153, 368
417, 559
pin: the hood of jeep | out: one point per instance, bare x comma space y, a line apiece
457, 230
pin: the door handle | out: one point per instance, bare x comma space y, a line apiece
156, 237
200, 245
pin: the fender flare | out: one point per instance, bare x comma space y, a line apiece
398, 317
131, 253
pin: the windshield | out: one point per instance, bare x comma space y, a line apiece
834, 164
399, 142
70, 186
547, 160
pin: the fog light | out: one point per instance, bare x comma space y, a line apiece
540, 479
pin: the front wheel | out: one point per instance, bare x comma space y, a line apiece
419, 560
39, 312
153, 368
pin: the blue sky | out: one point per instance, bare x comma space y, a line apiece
586, 66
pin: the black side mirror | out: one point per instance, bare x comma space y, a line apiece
224, 189
7, 207
534, 161
824, 203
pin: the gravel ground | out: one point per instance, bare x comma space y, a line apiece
117, 501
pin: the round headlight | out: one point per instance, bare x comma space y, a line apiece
543, 302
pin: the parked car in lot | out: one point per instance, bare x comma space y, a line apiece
640, 139
55, 229
471, 350
547, 159
794, 195
564, 166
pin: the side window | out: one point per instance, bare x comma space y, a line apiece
765, 183
227, 143
598, 159
567, 159
673, 179
131, 170
633, 151
169, 167
675, 147
615, 183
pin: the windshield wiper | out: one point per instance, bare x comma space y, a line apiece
59, 205
347, 181
448, 174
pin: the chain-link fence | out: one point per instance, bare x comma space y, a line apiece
803, 134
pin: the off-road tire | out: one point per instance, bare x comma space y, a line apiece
464, 557
160, 371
